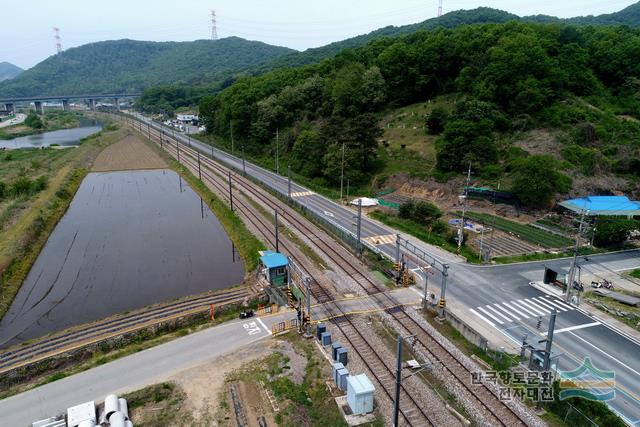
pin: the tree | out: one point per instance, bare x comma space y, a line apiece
436, 120
613, 232
536, 180
33, 121
308, 151
421, 211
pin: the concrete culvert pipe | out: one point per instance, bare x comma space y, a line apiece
110, 405
122, 407
86, 423
117, 419
128, 423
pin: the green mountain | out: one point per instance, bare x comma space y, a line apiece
9, 71
131, 66
629, 16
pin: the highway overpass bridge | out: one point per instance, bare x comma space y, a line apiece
90, 99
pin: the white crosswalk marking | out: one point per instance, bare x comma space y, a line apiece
508, 319
491, 315
302, 194
522, 307
507, 312
544, 303
532, 307
381, 240
560, 303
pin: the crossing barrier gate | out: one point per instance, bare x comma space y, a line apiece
279, 327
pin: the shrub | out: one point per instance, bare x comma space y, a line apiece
613, 232
3, 190
436, 120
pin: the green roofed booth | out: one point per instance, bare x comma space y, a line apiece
603, 206
274, 265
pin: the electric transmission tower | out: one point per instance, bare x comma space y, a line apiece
56, 32
214, 29
439, 8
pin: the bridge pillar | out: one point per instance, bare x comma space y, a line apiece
92, 104
117, 103
10, 107
39, 108
65, 105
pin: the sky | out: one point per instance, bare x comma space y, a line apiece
28, 37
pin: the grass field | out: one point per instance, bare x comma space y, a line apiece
523, 231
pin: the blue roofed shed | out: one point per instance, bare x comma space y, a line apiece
275, 265
603, 206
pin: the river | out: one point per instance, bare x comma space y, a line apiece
128, 240
63, 137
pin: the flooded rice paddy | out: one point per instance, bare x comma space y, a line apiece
129, 239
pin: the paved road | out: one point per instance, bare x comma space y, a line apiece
132, 372
478, 286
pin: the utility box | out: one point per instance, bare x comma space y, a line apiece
320, 329
334, 371
334, 350
341, 356
360, 394
343, 375
325, 338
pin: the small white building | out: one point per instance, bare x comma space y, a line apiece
186, 118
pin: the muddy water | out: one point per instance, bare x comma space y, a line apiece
129, 239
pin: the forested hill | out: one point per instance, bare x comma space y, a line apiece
629, 16
8, 71
529, 106
131, 66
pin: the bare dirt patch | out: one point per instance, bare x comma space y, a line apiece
131, 153
539, 142
205, 384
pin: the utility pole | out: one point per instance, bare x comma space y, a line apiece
443, 292
426, 270
342, 173
277, 239
178, 149
199, 171
289, 181
277, 151
359, 224
464, 209
493, 225
397, 257
549, 341
230, 192
396, 400
572, 270
231, 133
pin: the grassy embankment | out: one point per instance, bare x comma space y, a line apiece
28, 217
51, 120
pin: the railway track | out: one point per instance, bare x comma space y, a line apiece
494, 410
94, 332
